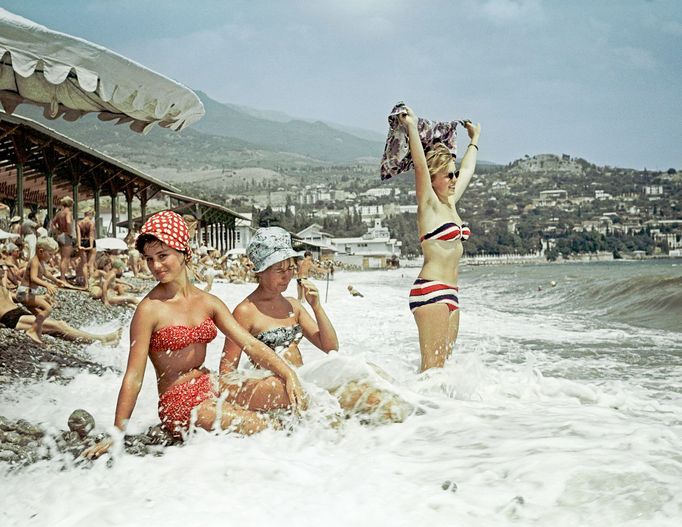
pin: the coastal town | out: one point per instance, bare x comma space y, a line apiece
541, 208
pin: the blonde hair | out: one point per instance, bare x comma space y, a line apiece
66, 201
438, 157
47, 244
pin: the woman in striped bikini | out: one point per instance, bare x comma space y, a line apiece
439, 186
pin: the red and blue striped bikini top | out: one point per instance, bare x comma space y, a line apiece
448, 231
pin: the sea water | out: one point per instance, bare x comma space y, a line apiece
560, 406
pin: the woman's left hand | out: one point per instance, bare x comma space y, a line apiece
312, 295
474, 130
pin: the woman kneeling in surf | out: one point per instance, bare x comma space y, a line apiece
172, 326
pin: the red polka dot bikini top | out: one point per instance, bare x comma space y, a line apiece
175, 338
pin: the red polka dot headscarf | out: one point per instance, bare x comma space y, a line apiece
169, 227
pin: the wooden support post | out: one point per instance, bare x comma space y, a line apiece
20, 190
74, 188
129, 202
50, 196
98, 220
143, 207
114, 214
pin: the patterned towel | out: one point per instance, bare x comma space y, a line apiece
397, 157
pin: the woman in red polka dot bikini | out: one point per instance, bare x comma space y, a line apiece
172, 326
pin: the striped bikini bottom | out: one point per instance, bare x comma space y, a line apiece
425, 292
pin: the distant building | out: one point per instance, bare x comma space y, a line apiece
369, 251
552, 197
411, 209
243, 231
382, 191
601, 195
653, 190
318, 242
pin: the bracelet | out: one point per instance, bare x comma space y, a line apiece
472, 144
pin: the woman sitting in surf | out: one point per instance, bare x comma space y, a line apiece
172, 326
281, 323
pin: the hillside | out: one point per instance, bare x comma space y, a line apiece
226, 136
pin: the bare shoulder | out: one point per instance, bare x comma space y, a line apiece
147, 310
245, 308
295, 304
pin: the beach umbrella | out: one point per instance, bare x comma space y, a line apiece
4, 235
70, 77
110, 244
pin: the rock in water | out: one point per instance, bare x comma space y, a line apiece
81, 422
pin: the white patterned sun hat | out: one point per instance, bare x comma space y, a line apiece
269, 246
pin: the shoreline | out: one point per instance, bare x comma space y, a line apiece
59, 360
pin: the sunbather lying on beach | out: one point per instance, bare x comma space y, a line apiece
16, 317
282, 322
172, 326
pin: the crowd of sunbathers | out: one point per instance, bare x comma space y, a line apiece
38, 258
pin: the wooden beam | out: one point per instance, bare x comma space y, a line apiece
8, 132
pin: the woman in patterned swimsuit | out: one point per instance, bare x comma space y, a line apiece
281, 323
439, 186
172, 326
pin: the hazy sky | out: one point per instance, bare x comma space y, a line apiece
599, 79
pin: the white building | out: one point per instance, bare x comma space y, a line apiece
601, 194
369, 251
243, 232
381, 191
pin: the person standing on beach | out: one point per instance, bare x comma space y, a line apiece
64, 227
172, 327
28, 233
439, 186
86, 245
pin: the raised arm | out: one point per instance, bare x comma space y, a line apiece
258, 352
468, 165
320, 330
421, 171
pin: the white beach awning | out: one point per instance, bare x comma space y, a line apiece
70, 77
4, 235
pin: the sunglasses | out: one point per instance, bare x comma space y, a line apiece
453, 175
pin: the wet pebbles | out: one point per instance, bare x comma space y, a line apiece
58, 360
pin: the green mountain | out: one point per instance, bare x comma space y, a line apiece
317, 140
227, 136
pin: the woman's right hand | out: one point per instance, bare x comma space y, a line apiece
97, 450
295, 392
51, 289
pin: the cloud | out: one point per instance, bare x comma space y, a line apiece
507, 11
672, 27
637, 57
